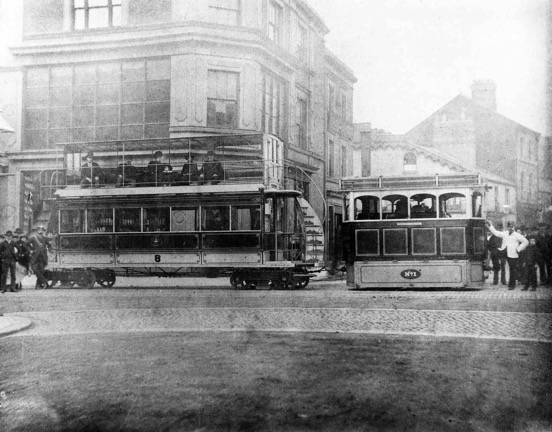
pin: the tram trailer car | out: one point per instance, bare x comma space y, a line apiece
414, 232
246, 225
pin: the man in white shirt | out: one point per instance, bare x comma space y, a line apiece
514, 243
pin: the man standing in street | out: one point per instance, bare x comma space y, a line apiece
39, 246
8, 253
515, 243
544, 243
498, 257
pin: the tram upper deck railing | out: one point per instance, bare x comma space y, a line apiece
236, 158
410, 182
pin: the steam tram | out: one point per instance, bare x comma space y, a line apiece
246, 224
414, 232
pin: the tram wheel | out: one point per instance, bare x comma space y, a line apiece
282, 281
85, 279
240, 280
106, 279
300, 282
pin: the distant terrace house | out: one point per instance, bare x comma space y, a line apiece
139, 69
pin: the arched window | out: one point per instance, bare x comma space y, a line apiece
452, 205
409, 162
423, 206
367, 207
394, 207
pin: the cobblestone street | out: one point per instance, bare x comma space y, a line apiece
493, 313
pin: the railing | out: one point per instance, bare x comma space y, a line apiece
438, 180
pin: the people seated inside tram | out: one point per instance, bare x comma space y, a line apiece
159, 172
212, 170
126, 173
90, 172
190, 171
422, 206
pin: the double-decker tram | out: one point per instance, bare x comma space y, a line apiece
414, 232
175, 219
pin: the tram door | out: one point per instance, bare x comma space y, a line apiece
274, 157
283, 229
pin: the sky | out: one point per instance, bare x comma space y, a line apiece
411, 57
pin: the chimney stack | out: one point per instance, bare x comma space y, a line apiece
484, 93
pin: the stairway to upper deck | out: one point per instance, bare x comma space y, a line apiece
314, 235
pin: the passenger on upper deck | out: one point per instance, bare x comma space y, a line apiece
90, 172
159, 172
126, 173
189, 171
212, 169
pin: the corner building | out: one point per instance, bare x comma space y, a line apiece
107, 70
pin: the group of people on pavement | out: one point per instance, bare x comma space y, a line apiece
525, 251
21, 256
158, 172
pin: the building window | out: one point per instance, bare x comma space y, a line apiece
301, 49
507, 196
344, 105
275, 22
273, 112
343, 161
331, 97
97, 102
496, 199
302, 119
89, 14
331, 159
225, 11
410, 162
222, 99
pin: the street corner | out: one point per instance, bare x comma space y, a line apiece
11, 324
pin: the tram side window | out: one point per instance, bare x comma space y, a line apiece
128, 220
100, 220
156, 219
422, 206
71, 221
184, 219
477, 202
394, 207
216, 218
452, 205
246, 218
367, 208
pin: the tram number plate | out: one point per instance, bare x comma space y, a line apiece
157, 258
411, 274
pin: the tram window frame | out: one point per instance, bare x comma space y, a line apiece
398, 199
101, 224
443, 210
424, 211
225, 218
477, 204
187, 224
370, 200
129, 223
71, 221
164, 222
254, 215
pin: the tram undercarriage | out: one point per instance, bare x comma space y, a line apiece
240, 278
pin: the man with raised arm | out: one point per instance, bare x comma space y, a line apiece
514, 243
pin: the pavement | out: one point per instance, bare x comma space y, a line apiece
327, 307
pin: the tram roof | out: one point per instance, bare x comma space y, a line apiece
410, 182
168, 144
